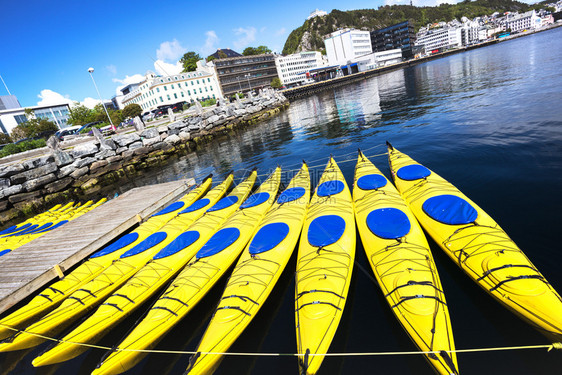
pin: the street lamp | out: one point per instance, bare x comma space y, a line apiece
91, 70
239, 85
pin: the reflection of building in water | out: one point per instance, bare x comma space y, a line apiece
359, 109
317, 108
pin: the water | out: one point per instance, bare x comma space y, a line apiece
487, 120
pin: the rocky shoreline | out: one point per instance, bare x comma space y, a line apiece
90, 169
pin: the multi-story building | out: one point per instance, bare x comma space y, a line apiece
157, 91
344, 45
400, 36
10, 118
244, 73
470, 33
519, 22
9, 102
440, 39
292, 69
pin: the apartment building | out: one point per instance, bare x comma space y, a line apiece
292, 69
344, 45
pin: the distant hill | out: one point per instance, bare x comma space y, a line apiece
308, 37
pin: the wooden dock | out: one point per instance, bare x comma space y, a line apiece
30, 267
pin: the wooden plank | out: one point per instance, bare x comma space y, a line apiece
30, 267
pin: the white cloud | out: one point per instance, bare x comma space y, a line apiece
280, 32
111, 69
90, 102
49, 97
171, 51
135, 78
211, 43
246, 36
167, 69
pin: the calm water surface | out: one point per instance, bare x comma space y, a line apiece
487, 120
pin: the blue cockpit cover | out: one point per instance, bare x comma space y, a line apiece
325, 230
220, 241
268, 237
52, 227
126, 240
32, 230
255, 200
13, 228
291, 194
371, 182
4, 252
18, 232
329, 188
152, 240
197, 205
223, 203
171, 208
388, 223
450, 209
413, 172
181, 242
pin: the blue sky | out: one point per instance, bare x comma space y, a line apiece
48, 46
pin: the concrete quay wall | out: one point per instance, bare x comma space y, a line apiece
94, 168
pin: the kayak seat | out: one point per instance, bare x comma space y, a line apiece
371, 182
17, 232
181, 242
171, 208
126, 240
220, 241
450, 209
328, 188
198, 204
388, 223
4, 252
268, 237
14, 228
291, 194
255, 200
34, 230
413, 172
223, 203
151, 241
325, 230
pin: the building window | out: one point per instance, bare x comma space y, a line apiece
191, 83
165, 88
175, 96
158, 89
172, 86
20, 119
200, 91
186, 84
161, 100
188, 92
197, 81
182, 94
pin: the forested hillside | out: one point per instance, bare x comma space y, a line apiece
308, 37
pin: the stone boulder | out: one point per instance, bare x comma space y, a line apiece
150, 133
126, 139
85, 149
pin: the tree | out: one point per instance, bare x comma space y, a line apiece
189, 61
132, 110
34, 127
260, 50
5, 138
80, 115
222, 55
276, 83
211, 58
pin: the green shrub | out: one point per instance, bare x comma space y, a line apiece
208, 102
13, 148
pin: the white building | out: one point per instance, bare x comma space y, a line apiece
373, 60
58, 113
156, 91
292, 69
342, 46
444, 38
470, 33
519, 22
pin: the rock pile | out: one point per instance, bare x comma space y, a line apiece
81, 172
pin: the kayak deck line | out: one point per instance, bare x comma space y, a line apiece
548, 347
33, 265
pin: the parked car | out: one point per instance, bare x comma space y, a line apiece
88, 126
71, 130
178, 107
162, 111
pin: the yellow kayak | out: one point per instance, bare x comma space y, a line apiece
35, 219
154, 274
403, 265
256, 273
13, 241
206, 265
52, 296
478, 245
94, 292
324, 266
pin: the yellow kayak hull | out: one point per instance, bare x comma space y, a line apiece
95, 291
149, 279
255, 275
191, 285
403, 265
50, 297
324, 267
480, 247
